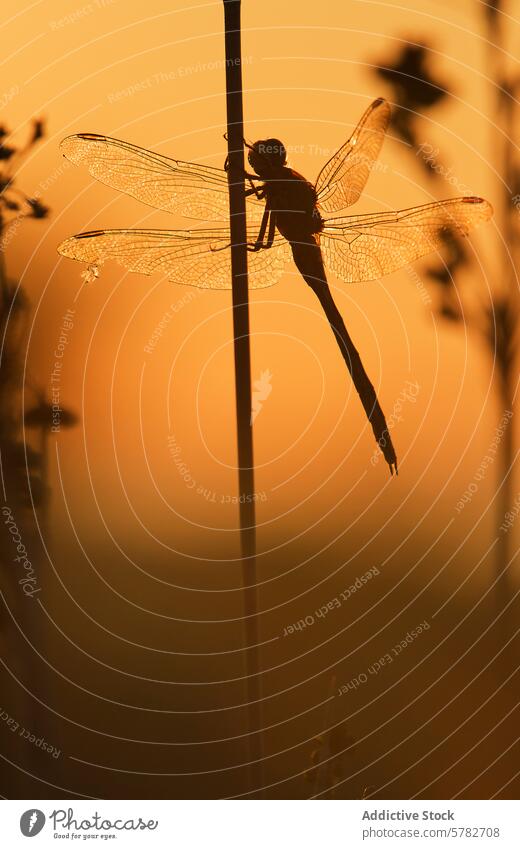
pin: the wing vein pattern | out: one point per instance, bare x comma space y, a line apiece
366, 247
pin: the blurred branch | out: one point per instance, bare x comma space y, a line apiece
24, 470
415, 90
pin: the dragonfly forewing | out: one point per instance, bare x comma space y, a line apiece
170, 185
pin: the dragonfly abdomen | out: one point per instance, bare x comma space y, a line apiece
309, 261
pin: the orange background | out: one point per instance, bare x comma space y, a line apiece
134, 546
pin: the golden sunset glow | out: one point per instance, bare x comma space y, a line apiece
139, 622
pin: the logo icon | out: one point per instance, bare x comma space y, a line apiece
262, 390
32, 822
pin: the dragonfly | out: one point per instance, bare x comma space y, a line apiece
285, 214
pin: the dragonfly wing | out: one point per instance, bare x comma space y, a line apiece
366, 247
187, 188
341, 181
199, 258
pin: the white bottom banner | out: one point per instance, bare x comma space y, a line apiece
257, 824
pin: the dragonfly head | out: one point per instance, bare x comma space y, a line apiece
266, 155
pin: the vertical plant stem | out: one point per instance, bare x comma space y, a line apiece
504, 119
3, 273
242, 351
504, 503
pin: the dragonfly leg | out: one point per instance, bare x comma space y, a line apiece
309, 261
259, 192
254, 190
259, 244
271, 231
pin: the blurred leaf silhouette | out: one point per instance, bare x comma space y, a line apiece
491, 10
24, 470
332, 752
331, 756
41, 418
416, 89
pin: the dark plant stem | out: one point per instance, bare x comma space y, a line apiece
3, 274
504, 119
237, 209
504, 503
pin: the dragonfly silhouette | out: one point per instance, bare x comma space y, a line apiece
283, 209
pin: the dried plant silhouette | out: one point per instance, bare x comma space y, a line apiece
15, 208
332, 754
20, 482
501, 318
415, 89
40, 418
23, 469
283, 209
